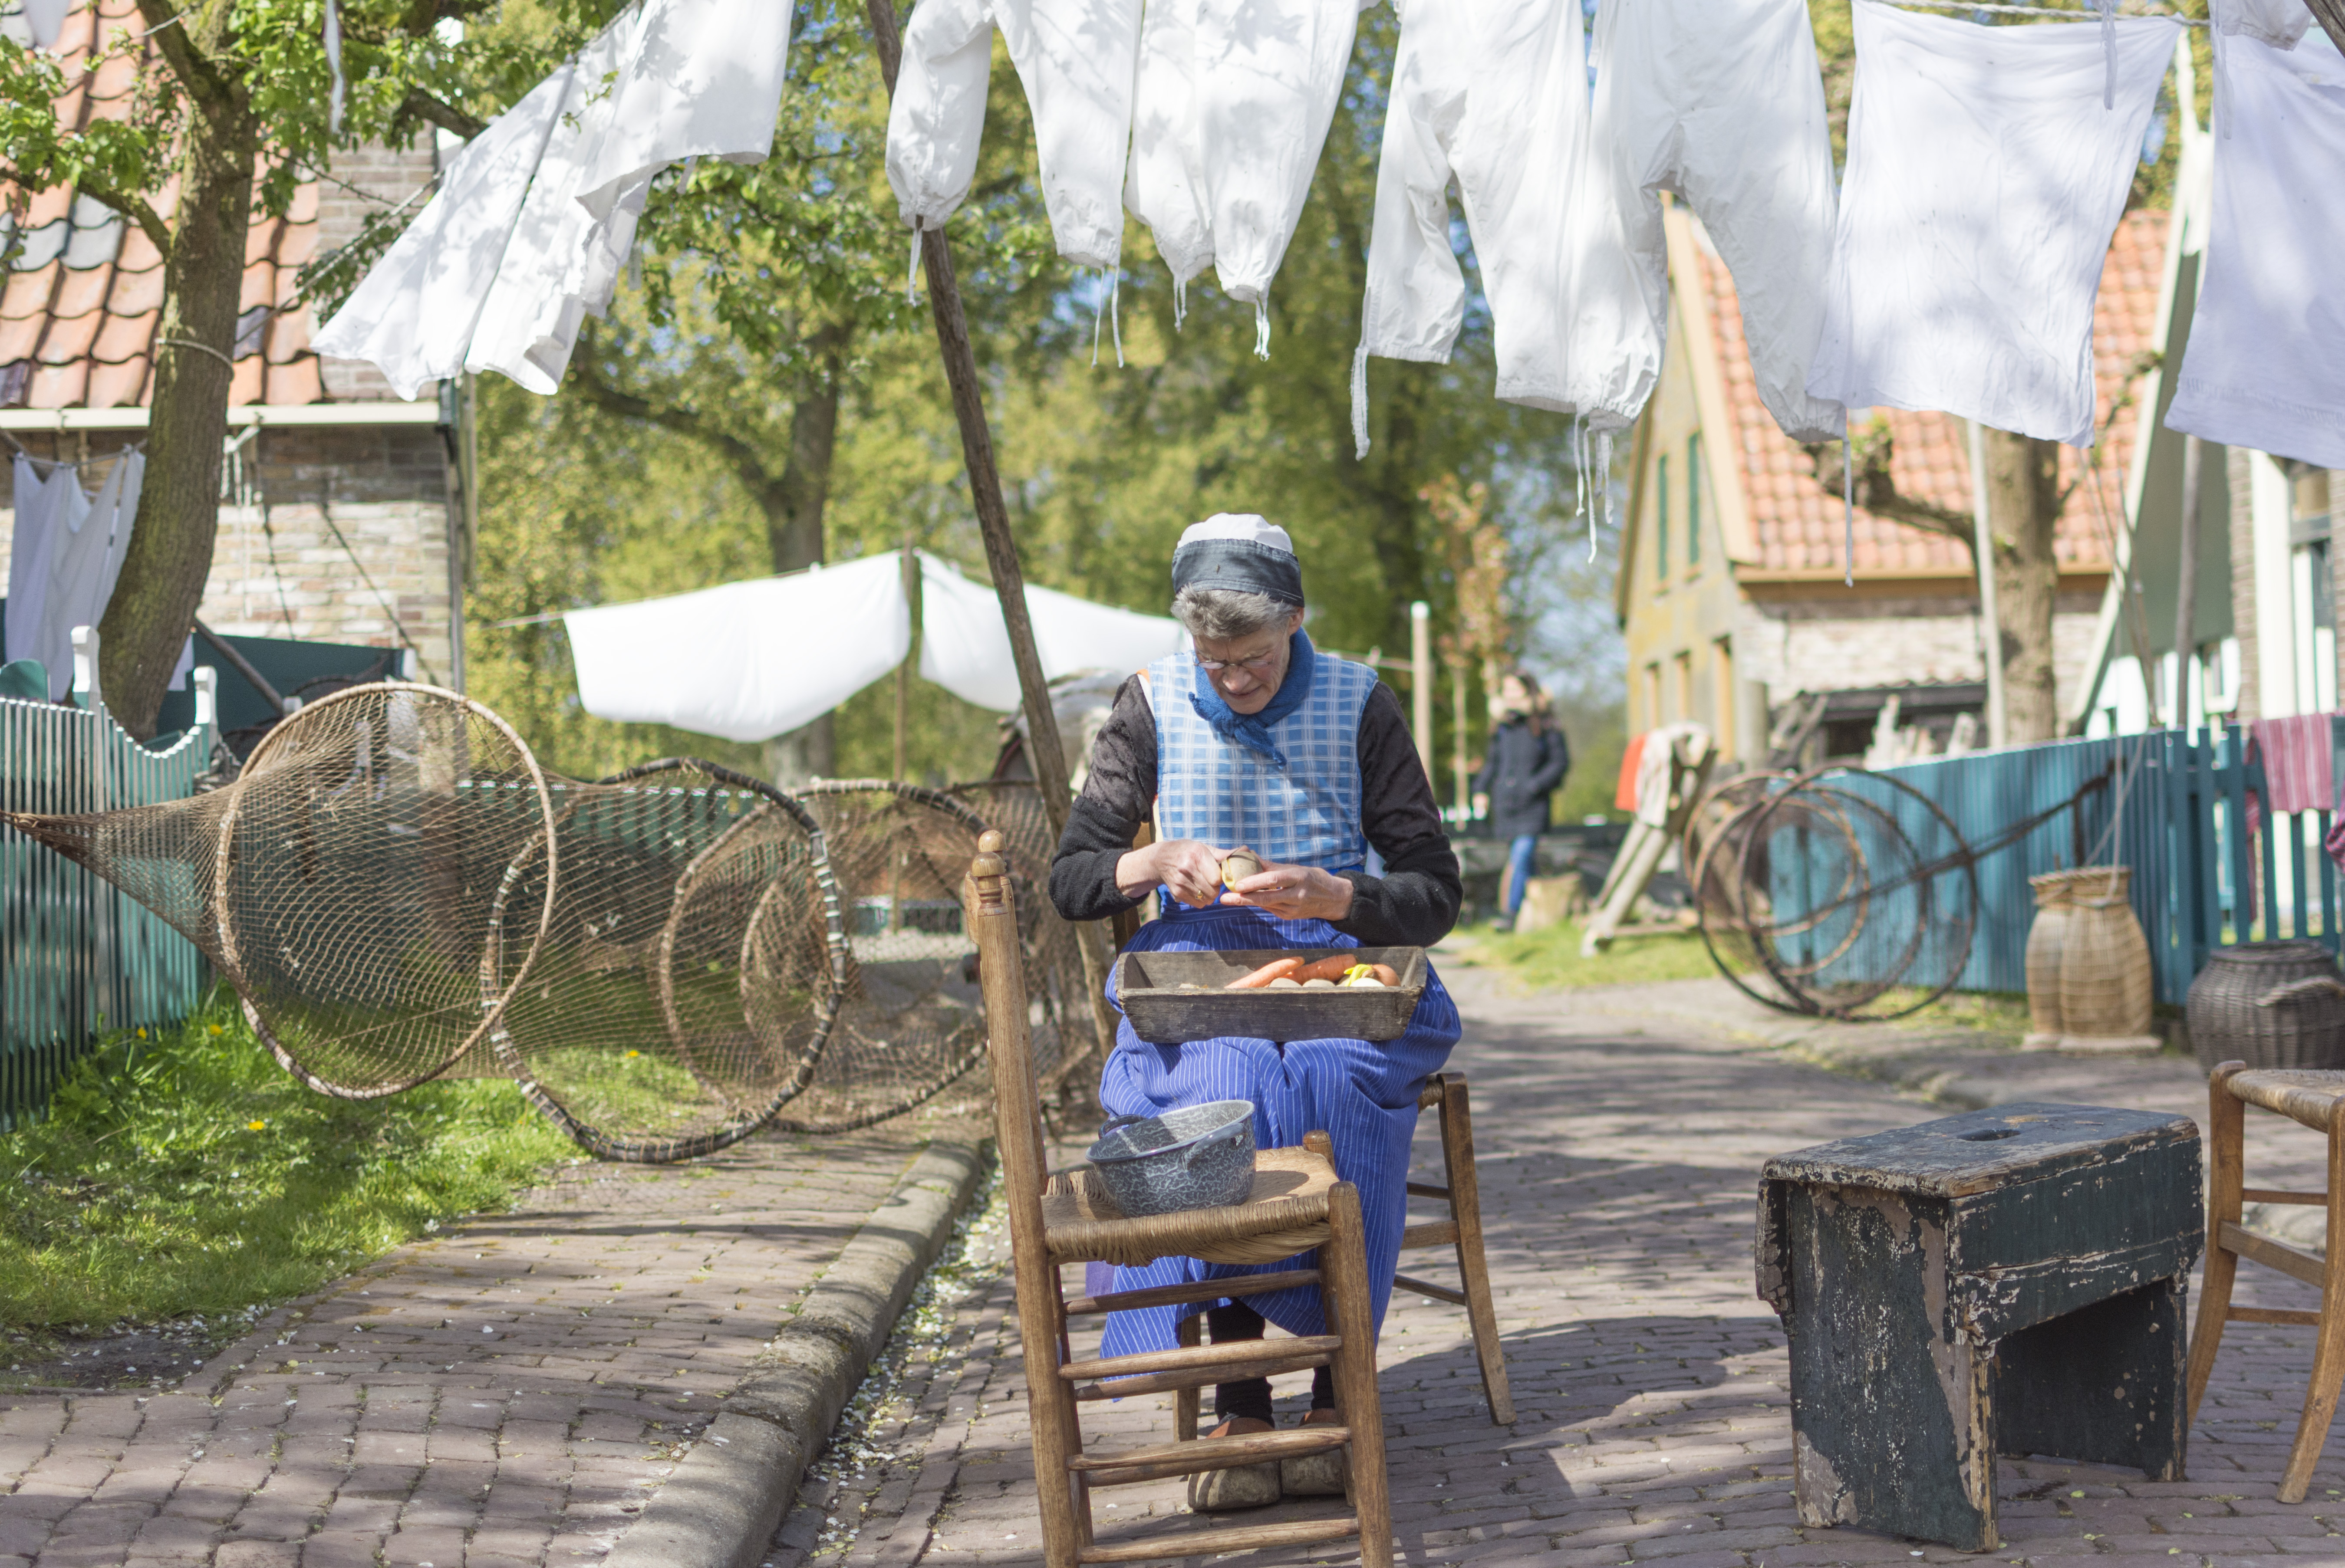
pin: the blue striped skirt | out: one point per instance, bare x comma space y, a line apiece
1362, 1095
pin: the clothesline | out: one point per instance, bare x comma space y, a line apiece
2077, 10
76, 463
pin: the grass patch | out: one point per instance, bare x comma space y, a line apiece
187, 1175
1549, 959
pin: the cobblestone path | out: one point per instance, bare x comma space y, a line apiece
1619, 1161
503, 1395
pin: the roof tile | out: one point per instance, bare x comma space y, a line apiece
118, 386
136, 293
58, 385
69, 336
299, 383
19, 338
28, 294
125, 337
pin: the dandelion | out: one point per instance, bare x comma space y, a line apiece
218, 1030
142, 1034
255, 1126
635, 1053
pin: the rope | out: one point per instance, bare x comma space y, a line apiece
200, 348
2042, 13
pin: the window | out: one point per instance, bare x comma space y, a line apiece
1682, 668
1693, 501
1722, 693
1661, 511
1653, 696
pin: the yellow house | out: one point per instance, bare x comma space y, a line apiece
1730, 588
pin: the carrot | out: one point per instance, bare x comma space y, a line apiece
1325, 969
1276, 969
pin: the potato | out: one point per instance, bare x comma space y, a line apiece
1318, 985
1286, 982
1237, 866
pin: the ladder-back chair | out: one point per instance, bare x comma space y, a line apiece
1298, 1203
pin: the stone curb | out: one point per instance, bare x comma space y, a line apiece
727, 1498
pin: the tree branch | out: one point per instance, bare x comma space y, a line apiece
446, 115
137, 210
748, 464
166, 29
1876, 488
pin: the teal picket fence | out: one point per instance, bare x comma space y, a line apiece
78, 960
2172, 806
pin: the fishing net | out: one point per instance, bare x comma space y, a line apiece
346, 883
1842, 894
686, 975
912, 1019
1066, 1044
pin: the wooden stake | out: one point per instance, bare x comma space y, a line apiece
1044, 750
912, 660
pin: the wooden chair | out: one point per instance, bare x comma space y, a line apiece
1298, 1203
2317, 1100
1462, 1230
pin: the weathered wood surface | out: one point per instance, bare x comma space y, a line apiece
1148, 988
2008, 1281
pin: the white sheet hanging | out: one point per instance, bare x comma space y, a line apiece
2265, 366
412, 315
1721, 102
1985, 179
965, 649
748, 660
532, 224
1165, 185
1492, 91
1075, 59
1268, 73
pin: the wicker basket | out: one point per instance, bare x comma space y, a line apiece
2269, 1005
2105, 973
2054, 910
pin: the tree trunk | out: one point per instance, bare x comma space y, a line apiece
793, 508
2023, 487
170, 553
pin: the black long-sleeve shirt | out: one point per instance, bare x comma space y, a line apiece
1413, 905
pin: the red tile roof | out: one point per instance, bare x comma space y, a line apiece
80, 309
1796, 525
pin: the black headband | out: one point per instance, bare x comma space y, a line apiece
1239, 565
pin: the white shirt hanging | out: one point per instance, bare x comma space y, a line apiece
1984, 180
706, 81
1166, 184
1721, 102
1492, 92
2265, 364
1268, 73
70, 549
1075, 59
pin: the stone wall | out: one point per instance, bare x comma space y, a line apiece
1796, 645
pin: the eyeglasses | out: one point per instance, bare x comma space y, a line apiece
1261, 666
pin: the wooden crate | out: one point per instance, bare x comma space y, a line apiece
1149, 987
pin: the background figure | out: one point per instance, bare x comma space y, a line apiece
1526, 763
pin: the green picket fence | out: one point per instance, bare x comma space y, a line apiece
78, 960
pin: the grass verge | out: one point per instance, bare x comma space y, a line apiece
187, 1176
1549, 959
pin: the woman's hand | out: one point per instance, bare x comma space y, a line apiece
1294, 892
1190, 868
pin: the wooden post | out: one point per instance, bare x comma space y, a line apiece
1458, 776
1420, 684
1997, 729
2185, 584
1043, 749
912, 660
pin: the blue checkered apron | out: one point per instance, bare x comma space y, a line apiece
1363, 1096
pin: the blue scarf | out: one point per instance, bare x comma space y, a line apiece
1252, 731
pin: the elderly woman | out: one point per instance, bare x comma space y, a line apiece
1258, 740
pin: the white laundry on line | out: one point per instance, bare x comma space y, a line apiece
1267, 73
1164, 181
1722, 103
2265, 364
1491, 91
65, 559
965, 649
1075, 59
748, 660
1985, 179
534, 220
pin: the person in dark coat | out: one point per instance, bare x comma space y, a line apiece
1527, 761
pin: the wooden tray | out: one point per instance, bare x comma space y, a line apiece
1148, 986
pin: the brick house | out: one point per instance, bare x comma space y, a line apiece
1730, 590
344, 509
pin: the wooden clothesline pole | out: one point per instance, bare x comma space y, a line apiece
1044, 751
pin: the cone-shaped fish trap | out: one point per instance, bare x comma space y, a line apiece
688, 971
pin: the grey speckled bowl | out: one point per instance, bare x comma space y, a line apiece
1196, 1157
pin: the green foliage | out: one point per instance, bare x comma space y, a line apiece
188, 1174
